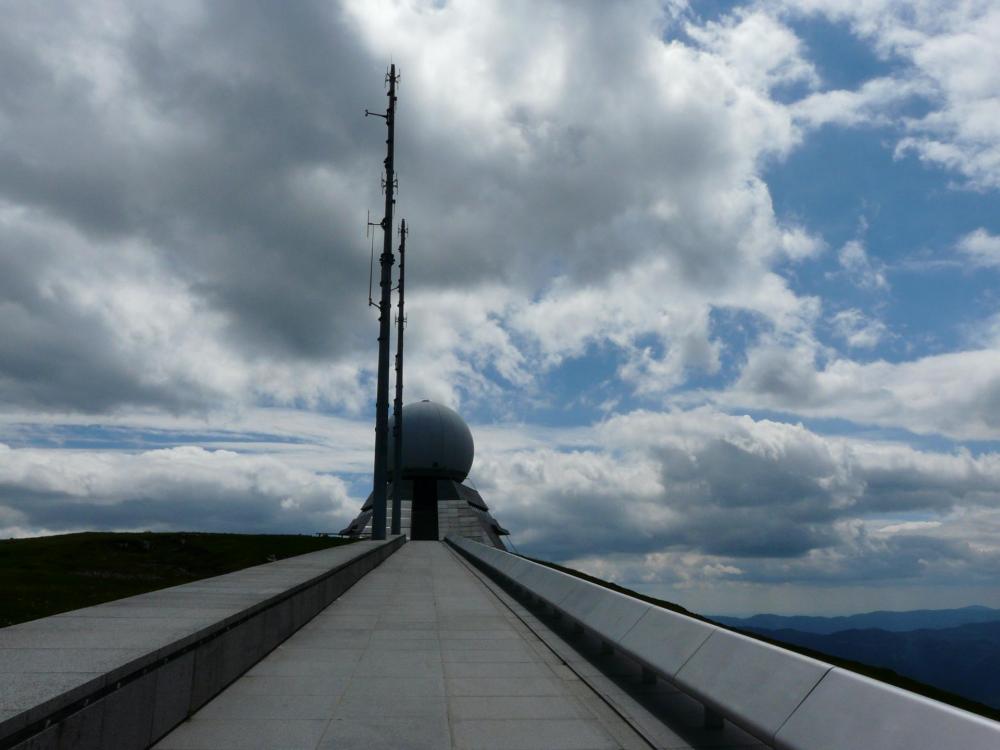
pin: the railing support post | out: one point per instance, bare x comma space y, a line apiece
713, 719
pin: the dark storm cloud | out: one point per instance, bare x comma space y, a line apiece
174, 488
866, 559
208, 512
57, 356
722, 500
748, 534
210, 150
263, 94
767, 501
226, 141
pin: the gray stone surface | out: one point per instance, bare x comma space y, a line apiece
606, 612
82, 731
30, 695
418, 654
665, 640
94, 633
530, 734
659, 715
414, 733
426, 652
847, 711
172, 698
127, 720
516, 707
756, 684
505, 686
54, 662
64, 660
549, 584
247, 734
775, 694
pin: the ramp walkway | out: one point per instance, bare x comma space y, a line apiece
425, 652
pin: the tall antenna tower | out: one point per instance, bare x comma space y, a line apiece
386, 260
397, 404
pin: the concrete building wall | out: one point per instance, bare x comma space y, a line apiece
460, 510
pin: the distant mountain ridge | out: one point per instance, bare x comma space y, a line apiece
964, 660
896, 622
957, 650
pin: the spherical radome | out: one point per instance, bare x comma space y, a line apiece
436, 442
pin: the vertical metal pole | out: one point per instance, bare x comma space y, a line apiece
386, 261
397, 405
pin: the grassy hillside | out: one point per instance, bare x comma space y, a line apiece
48, 575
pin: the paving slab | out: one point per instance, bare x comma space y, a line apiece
510, 686
281, 685
247, 734
453, 669
516, 707
433, 660
416, 733
530, 734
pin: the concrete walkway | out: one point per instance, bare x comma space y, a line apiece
418, 654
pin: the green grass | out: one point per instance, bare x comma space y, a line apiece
876, 673
48, 575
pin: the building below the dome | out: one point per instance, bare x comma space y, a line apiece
432, 509
437, 454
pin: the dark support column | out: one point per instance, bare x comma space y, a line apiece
381, 474
423, 513
397, 406
713, 719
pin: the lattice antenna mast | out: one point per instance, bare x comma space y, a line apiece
397, 404
386, 260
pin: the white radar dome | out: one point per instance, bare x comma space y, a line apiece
436, 442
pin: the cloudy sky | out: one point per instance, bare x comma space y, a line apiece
714, 284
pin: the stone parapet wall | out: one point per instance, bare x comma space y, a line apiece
789, 701
124, 673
